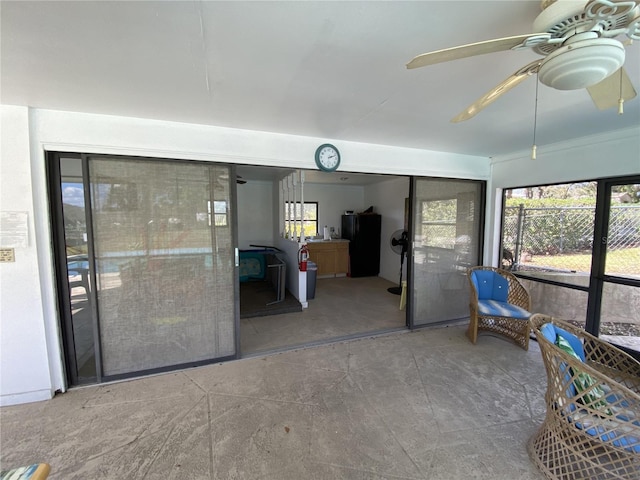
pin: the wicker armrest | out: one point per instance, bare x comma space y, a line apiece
614, 363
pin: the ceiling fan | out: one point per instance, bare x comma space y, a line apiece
578, 43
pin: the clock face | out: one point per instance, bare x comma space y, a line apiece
327, 157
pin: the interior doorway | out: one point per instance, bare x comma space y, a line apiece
331, 313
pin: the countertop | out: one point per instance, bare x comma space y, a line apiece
320, 240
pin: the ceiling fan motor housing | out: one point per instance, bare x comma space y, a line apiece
584, 51
582, 63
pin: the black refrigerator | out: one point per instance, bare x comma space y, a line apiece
363, 233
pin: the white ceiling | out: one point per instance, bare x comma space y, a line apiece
273, 174
332, 70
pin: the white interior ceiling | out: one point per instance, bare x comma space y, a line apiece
273, 174
332, 70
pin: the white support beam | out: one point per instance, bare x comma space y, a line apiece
302, 237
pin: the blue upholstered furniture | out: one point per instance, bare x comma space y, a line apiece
264, 264
37, 471
498, 303
592, 424
252, 265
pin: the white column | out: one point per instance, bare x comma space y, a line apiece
281, 208
302, 239
294, 181
290, 236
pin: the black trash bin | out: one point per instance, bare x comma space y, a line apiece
312, 274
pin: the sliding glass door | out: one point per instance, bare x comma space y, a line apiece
160, 264
446, 240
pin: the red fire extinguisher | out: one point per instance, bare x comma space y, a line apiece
303, 257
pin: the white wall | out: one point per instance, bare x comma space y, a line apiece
31, 354
25, 374
296, 280
333, 200
255, 214
598, 156
388, 199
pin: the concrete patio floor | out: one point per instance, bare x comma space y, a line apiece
410, 405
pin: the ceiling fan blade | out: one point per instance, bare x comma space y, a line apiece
487, 99
606, 94
479, 48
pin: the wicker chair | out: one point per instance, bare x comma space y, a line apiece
494, 310
592, 426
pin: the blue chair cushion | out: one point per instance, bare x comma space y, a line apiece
619, 439
490, 285
622, 412
495, 308
566, 343
551, 332
592, 394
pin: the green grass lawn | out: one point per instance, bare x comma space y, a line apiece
625, 262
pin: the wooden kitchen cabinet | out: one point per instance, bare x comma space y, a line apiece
332, 257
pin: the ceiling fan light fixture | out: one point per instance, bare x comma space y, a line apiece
582, 64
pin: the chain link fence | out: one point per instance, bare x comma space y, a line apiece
561, 238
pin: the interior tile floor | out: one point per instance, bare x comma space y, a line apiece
425, 404
341, 307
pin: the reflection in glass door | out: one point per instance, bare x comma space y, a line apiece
81, 325
620, 301
447, 227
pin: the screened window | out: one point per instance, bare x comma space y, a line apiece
548, 231
578, 247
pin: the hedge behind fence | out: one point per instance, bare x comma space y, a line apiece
551, 230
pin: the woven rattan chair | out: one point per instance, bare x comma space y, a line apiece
498, 303
592, 426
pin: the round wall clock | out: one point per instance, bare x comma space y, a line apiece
327, 158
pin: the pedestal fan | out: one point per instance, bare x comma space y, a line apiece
399, 243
